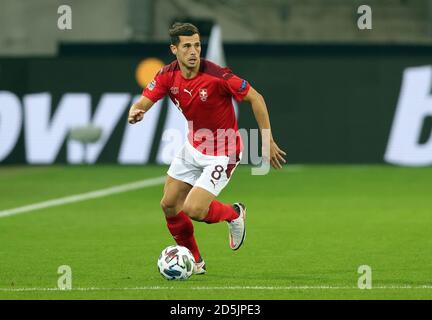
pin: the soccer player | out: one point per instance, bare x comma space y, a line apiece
203, 92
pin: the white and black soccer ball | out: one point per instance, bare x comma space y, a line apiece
176, 263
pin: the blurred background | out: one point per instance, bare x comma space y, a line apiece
348, 88
29, 27
337, 92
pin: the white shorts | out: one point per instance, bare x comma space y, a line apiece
211, 173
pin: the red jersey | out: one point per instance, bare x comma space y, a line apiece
206, 102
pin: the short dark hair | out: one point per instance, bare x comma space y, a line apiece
181, 29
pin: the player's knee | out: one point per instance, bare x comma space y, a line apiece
195, 211
168, 207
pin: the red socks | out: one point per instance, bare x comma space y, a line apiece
182, 230
219, 211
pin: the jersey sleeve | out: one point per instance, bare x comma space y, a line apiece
234, 85
157, 88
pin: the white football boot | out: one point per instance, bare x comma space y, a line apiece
200, 267
237, 229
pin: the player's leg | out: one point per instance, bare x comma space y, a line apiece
178, 223
201, 203
175, 193
215, 178
182, 175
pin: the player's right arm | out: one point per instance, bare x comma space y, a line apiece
136, 112
154, 91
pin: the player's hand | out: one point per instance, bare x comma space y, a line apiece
274, 155
135, 115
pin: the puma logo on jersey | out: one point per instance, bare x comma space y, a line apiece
190, 92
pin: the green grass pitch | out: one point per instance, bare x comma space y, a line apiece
309, 228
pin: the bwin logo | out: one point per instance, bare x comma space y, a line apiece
45, 131
413, 109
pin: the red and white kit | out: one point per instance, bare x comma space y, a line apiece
214, 146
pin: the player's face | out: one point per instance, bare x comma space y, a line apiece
188, 50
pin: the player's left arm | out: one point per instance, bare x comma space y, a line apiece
275, 155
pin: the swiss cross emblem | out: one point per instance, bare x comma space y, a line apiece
203, 94
174, 90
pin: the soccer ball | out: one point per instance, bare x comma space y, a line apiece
176, 263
